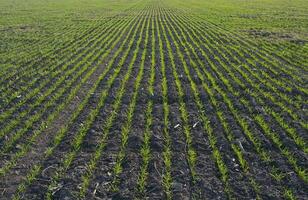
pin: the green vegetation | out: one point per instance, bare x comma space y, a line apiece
137, 99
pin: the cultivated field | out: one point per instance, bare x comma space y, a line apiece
153, 99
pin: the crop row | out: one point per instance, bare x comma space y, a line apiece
91, 116
209, 94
